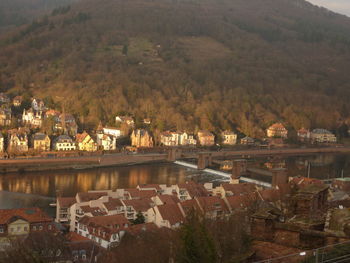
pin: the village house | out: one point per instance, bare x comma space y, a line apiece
5, 116
277, 130
106, 142
141, 138
85, 142
147, 121
64, 143
53, 114
169, 138
213, 207
17, 101
66, 123
106, 231
229, 138
167, 215
17, 141
21, 222
63, 205
4, 98
304, 135
32, 118
38, 105
115, 132
41, 142
126, 120
187, 139
134, 206
322, 136
247, 141
206, 138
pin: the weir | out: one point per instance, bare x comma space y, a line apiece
223, 174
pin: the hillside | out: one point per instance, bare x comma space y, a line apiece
19, 12
212, 64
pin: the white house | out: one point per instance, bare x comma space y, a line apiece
106, 231
38, 105
115, 132
64, 143
106, 142
187, 139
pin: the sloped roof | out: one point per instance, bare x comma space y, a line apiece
239, 189
171, 212
140, 205
212, 203
194, 189
66, 201
39, 136
32, 215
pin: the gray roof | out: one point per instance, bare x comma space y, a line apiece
321, 131
39, 136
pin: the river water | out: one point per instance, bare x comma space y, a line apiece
40, 189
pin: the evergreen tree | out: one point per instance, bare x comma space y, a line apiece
197, 245
140, 219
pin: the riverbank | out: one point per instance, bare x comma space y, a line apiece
34, 164
19, 165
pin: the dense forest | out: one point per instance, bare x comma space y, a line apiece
186, 64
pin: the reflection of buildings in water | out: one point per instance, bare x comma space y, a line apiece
138, 176
226, 165
322, 160
20, 185
275, 164
40, 185
64, 182
85, 181
111, 180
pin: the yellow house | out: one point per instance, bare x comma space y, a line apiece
42, 142
85, 142
18, 227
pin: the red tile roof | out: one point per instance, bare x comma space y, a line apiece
241, 201
112, 203
190, 205
171, 212
140, 205
95, 211
137, 194
32, 215
212, 203
66, 202
85, 197
75, 237
239, 189
194, 189
169, 199
105, 226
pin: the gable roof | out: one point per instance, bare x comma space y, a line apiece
32, 215
194, 189
66, 201
140, 205
171, 212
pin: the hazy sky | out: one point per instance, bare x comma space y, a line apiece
339, 6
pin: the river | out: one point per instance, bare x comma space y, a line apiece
40, 189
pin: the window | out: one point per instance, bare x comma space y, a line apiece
50, 227
40, 228
25, 228
18, 229
83, 257
1, 230
34, 228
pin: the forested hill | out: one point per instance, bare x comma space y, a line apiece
212, 64
19, 12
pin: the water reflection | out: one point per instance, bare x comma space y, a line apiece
70, 182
